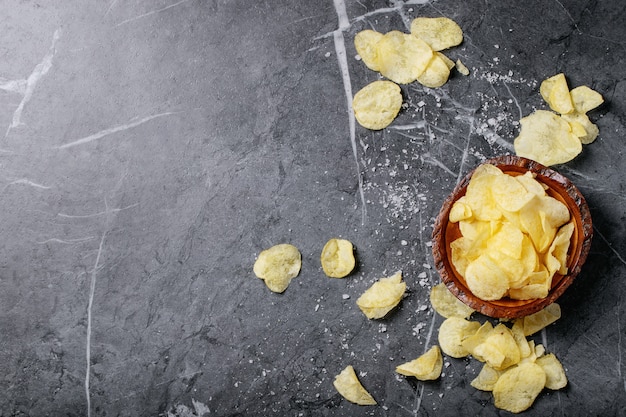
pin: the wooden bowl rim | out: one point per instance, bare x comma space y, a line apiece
583, 233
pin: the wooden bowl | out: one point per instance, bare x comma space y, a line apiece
560, 188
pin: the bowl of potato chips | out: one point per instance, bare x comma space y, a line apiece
511, 237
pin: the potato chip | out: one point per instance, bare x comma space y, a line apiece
402, 57
338, 258
278, 265
546, 138
478, 338
377, 104
438, 32
366, 44
452, 332
486, 279
556, 258
555, 374
446, 304
585, 99
436, 73
516, 389
348, 385
461, 68
517, 330
582, 127
382, 296
499, 349
460, 210
509, 193
427, 367
537, 321
486, 378
555, 92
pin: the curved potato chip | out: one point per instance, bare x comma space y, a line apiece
555, 374
546, 138
278, 265
436, 73
499, 349
348, 385
446, 304
585, 99
486, 378
452, 332
366, 44
555, 92
338, 258
582, 127
425, 368
486, 279
518, 387
382, 296
478, 338
439, 32
402, 57
539, 320
377, 104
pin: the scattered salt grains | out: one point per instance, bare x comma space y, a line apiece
327, 54
404, 242
382, 328
346, 296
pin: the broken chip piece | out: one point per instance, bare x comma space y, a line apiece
278, 265
427, 367
338, 258
377, 104
348, 385
382, 296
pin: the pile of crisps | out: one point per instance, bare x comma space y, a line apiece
557, 137
515, 236
403, 58
515, 369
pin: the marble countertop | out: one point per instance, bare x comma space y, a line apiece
151, 149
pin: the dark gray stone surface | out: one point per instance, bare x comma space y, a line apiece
151, 149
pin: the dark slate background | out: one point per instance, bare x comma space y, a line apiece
151, 149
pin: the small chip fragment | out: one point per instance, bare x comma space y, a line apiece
438, 32
338, 258
377, 104
461, 68
278, 265
516, 389
427, 367
382, 296
446, 304
348, 385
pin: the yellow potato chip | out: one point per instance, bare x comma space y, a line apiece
427, 367
366, 44
382, 296
555, 92
517, 330
446, 304
585, 99
555, 374
472, 341
338, 258
486, 279
439, 32
486, 378
518, 387
377, 104
278, 265
460, 210
449, 63
546, 138
348, 385
537, 321
530, 183
452, 332
402, 57
461, 68
556, 258
436, 73
479, 196
499, 349
582, 127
